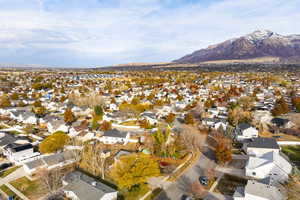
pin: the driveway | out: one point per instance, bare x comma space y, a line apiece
175, 190
232, 171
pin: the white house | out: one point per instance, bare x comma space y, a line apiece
115, 136
49, 162
23, 116
257, 191
260, 146
19, 153
79, 186
57, 125
245, 131
271, 166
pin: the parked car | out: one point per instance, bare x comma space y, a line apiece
203, 180
186, 197
5, 166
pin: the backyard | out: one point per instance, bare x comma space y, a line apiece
293, 152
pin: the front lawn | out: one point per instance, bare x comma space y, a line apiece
293, 152
9, 193
9, 171
31, 189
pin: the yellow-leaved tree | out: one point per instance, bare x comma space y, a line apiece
133, 170
54, 142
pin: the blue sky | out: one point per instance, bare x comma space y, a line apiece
79, 33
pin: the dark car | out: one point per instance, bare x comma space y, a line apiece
203, 180
5, 166
186, 197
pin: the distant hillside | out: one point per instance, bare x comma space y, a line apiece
259, 45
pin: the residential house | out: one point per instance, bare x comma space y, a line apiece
23, 116
255, 190
271, 166
57, 125
260, 146
115, 136
49, 162
245, 131
282, 123
151, 117
79, 186
19, 153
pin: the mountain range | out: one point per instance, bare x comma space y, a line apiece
260, 46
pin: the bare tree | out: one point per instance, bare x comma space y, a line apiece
77, 153
92, 161
51, 179
192, 138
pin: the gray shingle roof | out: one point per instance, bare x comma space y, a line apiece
243, 126
86, 187
266, 143
263, 190
115, 133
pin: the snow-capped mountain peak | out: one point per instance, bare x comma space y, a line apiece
260, 35
260, 43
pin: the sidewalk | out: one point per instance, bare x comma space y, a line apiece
11, 177
22, 196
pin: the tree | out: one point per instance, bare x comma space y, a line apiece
192, 138
223, 149
39, 112
296, 103
209, 103
105, 126
15, 96
280, 107
144, 123
237, 115
189, 118
69, 117
91, 159
51, 179
4, 101
133, 170
170, 118
98, 111
54, 142
37, 103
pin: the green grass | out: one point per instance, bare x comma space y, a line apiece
9, 171
9, 193
293, 152
26, 186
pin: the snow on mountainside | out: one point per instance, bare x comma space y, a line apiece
261, 43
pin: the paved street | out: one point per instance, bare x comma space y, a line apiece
174, 191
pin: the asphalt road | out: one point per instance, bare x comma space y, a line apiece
176, 190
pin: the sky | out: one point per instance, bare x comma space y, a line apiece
88, 33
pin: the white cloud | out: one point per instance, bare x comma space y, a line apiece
95, 32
